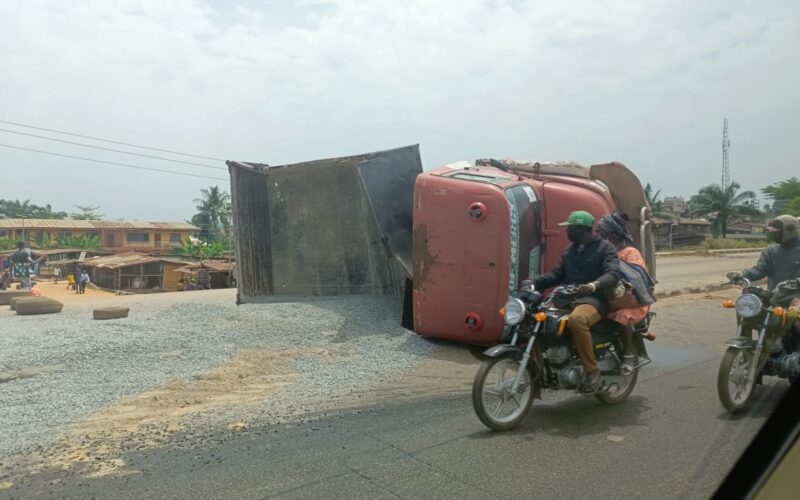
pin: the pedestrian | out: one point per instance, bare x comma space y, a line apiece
23, 265
203, 278
70, 281
57, 274
76, 280
84, 281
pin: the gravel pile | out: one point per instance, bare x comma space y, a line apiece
55, 369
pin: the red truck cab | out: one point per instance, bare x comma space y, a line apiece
478, 232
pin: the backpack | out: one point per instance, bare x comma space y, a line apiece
635, 289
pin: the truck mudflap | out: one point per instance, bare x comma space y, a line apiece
339, 226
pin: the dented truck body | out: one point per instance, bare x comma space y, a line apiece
453, 241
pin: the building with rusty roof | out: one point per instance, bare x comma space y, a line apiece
114, 236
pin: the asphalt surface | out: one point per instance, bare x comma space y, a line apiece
682, 272
671, 439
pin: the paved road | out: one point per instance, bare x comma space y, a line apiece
680, 273
671, 439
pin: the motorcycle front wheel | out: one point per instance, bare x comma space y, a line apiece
732, 385
495, 404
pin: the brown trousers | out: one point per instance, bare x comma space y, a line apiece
581, 320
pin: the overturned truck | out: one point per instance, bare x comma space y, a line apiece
452, 242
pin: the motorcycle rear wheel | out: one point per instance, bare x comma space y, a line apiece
734, 391
621, 393
491, 393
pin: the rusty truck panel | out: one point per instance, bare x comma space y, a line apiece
327, 227
461, 258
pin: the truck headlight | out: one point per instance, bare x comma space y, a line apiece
748, 305
515, 311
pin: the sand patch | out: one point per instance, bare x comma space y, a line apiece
94, 445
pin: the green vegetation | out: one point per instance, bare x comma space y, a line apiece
723, 244
86, 212
656, 205
15, 209
202, 250
721, 204
786, 196
213, 215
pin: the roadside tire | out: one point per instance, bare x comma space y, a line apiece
111, 313
619, 396
7, 295
16, 300
38, 305
732, 355
478, 395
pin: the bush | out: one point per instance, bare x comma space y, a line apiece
723, 244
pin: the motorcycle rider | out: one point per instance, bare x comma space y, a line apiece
592, 263
778, 262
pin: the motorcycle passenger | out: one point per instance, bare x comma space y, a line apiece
591, 263
613, 228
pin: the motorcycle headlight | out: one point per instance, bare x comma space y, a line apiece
748, 306
515, 311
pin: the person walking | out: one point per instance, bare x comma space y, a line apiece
57, 274
70, 281
76, 280
84, 281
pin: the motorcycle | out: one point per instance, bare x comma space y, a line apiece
513, 373
765, 344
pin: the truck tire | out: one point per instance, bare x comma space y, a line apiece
38, 305
111, 313
7, 295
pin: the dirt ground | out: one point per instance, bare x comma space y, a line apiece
62, 294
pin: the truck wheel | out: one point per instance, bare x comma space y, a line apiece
111, 313
38, 305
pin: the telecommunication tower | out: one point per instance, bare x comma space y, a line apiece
726, 163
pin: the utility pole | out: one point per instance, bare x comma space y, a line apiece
726, 164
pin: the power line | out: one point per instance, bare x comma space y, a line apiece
113, 163
110, 141
110, 149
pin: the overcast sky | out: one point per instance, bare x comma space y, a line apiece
646, 83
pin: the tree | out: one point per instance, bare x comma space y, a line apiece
656, 205
15, 209
722, 204
86, 212
786, 195
201, 250
213, 214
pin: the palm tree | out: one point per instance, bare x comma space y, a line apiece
213, 213
722, 204
87, 212
656, 205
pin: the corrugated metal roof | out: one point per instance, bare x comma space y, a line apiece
93, 224
127, 259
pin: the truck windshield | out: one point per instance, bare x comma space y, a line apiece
526, 247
